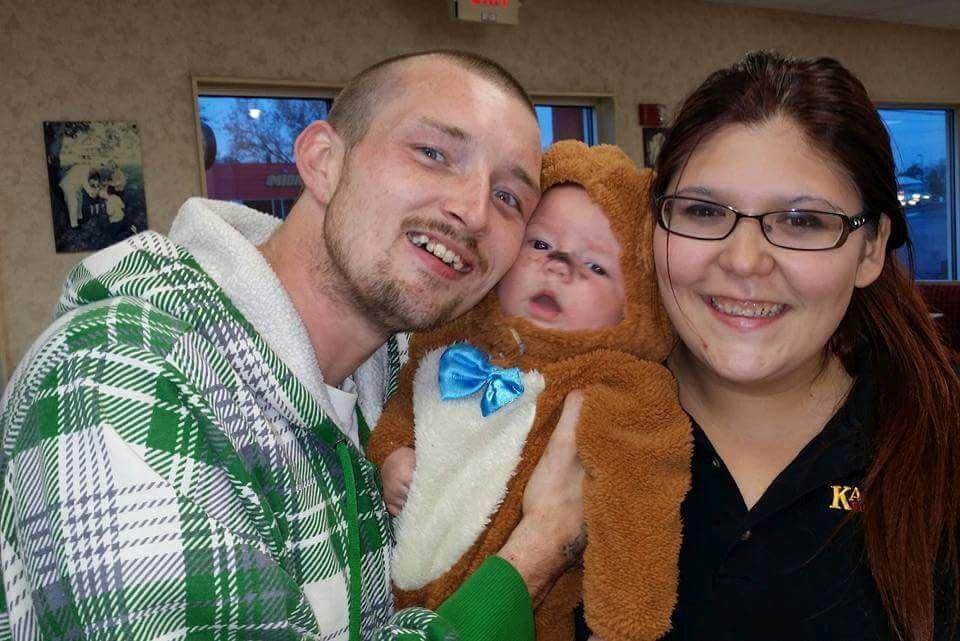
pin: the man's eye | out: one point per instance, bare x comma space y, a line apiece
597, 269
507, 197
433, 154
539, 244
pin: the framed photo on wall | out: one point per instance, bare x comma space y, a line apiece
95, 172
653, 138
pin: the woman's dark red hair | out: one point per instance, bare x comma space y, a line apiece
912, 492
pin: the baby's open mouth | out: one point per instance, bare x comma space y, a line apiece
544, 306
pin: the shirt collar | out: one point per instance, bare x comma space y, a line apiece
842, 449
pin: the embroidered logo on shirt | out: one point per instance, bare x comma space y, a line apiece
846, 498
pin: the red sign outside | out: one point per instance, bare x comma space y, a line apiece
245, 181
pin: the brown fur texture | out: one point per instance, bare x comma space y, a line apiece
633, 437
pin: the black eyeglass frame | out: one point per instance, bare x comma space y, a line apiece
850, 223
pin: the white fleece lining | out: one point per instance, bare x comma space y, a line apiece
464, 462
223, 237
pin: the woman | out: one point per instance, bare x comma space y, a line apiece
826, 471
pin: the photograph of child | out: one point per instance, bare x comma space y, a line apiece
95, 174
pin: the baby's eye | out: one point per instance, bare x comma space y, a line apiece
539, 245
597, 269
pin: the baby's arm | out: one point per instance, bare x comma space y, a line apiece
397, 473
391, 443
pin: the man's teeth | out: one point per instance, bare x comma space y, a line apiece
746, 308
439, 250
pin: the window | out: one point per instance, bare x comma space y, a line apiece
585, 118
247, 141
562, 123
923, 149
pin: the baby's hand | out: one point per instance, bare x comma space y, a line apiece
397, 473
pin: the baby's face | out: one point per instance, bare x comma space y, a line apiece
568, 273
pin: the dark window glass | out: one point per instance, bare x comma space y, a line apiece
922, 144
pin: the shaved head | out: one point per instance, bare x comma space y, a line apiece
359, 101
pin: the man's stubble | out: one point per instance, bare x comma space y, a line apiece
385, 301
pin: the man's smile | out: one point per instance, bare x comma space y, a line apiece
446, 251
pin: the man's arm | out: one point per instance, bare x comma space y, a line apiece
106, 526
550, 537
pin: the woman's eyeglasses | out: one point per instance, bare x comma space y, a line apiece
801, 229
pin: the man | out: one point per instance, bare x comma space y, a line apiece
181, 448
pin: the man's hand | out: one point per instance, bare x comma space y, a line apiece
397, 473
550, 537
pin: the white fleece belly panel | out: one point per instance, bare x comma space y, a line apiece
464, 462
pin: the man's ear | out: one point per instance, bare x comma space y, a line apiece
874, 254
320, 153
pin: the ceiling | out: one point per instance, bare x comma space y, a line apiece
928, 13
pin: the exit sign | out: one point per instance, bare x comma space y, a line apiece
498, 11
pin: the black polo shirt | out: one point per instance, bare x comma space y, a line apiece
794, 566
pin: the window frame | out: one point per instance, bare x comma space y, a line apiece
953, 171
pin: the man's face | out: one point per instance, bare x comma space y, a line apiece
432, 203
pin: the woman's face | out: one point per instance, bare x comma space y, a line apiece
748, 311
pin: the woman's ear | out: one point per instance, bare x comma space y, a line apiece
874, 254
320, 153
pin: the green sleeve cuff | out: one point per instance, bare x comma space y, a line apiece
492, 605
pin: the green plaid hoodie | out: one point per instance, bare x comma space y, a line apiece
165, 474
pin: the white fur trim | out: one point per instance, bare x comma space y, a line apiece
464, 462
223, 237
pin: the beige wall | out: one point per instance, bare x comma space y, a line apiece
83, 60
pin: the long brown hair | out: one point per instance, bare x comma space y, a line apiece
912, 491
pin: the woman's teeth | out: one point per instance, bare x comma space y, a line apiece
747, 309
439, 250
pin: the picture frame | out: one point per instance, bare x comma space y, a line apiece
653, 138
95, 174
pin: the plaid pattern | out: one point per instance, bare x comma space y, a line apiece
164, 476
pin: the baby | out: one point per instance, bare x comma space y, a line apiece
578, 311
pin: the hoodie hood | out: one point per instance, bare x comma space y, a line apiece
213, 247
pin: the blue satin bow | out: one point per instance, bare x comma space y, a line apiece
465, 370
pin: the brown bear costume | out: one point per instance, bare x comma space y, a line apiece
632, 436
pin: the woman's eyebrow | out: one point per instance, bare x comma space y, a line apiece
806, 198
788, 201
698, 190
